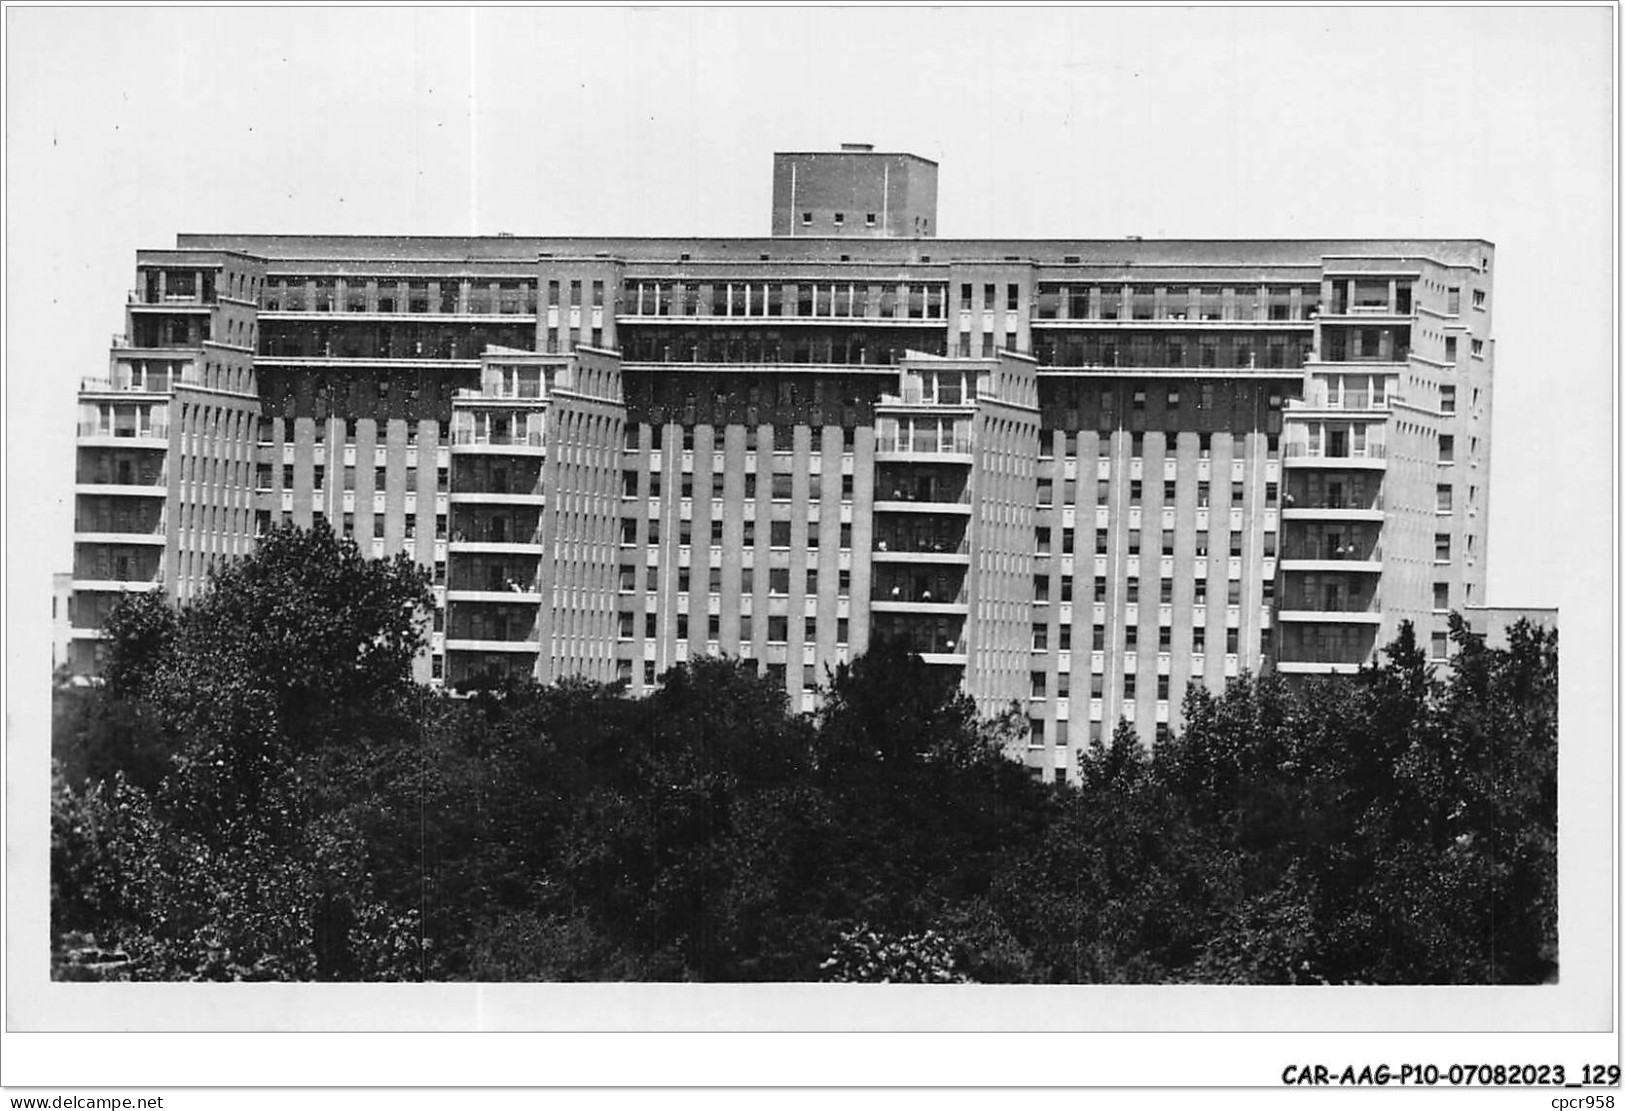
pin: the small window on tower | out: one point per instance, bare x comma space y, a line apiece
840, 218
806, 218
869, 220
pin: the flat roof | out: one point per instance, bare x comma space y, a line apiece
853, 154
782, 249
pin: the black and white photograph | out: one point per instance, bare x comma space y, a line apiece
824, 519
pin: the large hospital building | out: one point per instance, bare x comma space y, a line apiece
1081, 475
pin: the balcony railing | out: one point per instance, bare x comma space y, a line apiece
1351, 657
899, 593
127, 526
954, 445
916, 546
525, 391
1316, 451
152, 383
1350, 399
153, 432
1332, 552
1343, 603
917, 395
501, 439
142, 297
1323, 502
961, 496
489, 536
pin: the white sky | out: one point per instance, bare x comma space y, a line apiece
128, 126
125, 127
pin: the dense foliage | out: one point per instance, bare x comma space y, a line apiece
258, 791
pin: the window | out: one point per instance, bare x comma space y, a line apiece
1447, 449
1441, 547
1440, 647
840, 219
1039, 684
1443, 499
1478, 349
1040, 638
1441, 596
1232, 641
778, 580
1447, 399
806, 219
869, 219
1478, 298
1450, 349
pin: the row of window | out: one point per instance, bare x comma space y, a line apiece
777, 629
779, 533
853, 300
1131, 590
781, 488
1136, 491
1131, 634
1163, 302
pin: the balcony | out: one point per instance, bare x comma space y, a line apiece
1342, 511
918, 396
945, 449
500, 389
121, 490
1369, 457
150, 384
960, 508
525, 443
517, 594
476, 536
156, 435
468, 644
188, 300
1316, 667
1296, 611
1310, 554
1346, 401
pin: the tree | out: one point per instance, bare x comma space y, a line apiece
293, 660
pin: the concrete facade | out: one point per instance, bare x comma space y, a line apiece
1079, 474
